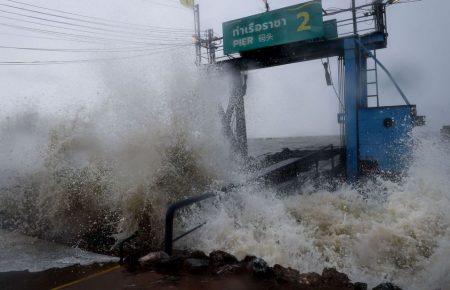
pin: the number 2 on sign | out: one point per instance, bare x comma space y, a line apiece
305, 21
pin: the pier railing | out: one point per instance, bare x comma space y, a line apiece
170, 215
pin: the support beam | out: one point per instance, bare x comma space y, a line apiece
352, 104
300, 52
240, 89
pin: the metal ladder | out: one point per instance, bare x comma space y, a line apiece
373, 82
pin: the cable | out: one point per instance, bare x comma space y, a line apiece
67, 39
79, 35
91, 27
52, 62
105, 22
176, 33
125, 49
331, 78
155, 37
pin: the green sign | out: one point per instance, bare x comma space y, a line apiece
290, 24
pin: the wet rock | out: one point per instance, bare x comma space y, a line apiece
153, 258
196, 266
170, 265
229, 269
218, 259
333, 277
247, 263
198, 255
387, 286
285, 275
260, 268
249, 259
360, 286
310, 279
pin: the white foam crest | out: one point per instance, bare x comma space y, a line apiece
394, 232
152, 139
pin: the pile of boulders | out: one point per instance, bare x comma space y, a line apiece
221, 264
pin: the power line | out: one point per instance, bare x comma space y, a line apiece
89, 27
79, 35
153, 37
53, 62
65, 38
124, 49
105, 22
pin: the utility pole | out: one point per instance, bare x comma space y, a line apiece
211, 47
355, 25
198, 43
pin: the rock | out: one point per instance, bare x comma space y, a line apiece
310, 279
248, 259
387, 286
152, 258
170, 265
333, 277
285, 275
198, 255
229, 269
360, 286
260, 268
219, 258
196, 266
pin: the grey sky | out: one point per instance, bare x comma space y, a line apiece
284, 101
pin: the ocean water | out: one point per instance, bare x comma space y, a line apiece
20, 253
397, 232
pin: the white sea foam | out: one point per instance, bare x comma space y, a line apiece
394, 232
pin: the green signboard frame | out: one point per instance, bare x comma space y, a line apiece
290, 24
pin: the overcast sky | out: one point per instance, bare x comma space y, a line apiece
290, 100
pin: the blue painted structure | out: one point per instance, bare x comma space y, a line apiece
376, 138
379, 138
352, 103
385, 137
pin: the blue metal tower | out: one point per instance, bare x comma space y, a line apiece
377, 138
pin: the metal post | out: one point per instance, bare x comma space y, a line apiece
351, 102
211, 47
198, 48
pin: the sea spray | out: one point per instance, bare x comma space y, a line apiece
97, 174
90, 175
384, 231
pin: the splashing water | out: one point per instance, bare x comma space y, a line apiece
101, 173
109, 170
395, 232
